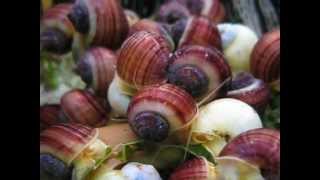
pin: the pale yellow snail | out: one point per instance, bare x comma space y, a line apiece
222, 120
238, 42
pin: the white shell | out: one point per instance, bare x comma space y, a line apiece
138, 171
223, 118
238, 42
118, 101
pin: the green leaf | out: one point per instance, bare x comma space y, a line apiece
200, 150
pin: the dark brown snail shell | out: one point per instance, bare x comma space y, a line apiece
199, 71
260, 147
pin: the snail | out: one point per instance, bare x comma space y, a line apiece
196, 31
73, 151
250, 90
221, 120
159, 111
199, 168
83, 107
171, 12
50, 114
97, 68
238, 42
56, 31
260, 147
200, 71
265, 59
143, 60
98, 23
152, 26
132, 17
211, 9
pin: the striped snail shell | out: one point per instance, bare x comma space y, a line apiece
197, 168
260, 147
196, 31
81, 106
60, 145
56, 30
199, 71
265, 58
100, 22
143, 60
97, 68
152, 26
158, 111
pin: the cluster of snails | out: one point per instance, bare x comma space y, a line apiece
181, 78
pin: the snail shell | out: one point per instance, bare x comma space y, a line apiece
221, 120
159, 110
196, 31
250, 90
56, 32
50, 115
83, 107
238, 42
100, 22
97, 68
265, 58
152, 26
66, 141
199, 71
260, 147
197, 168
212, 9
171, 12
143, 60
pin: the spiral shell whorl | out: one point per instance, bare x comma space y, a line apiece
175, 106
208, 62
